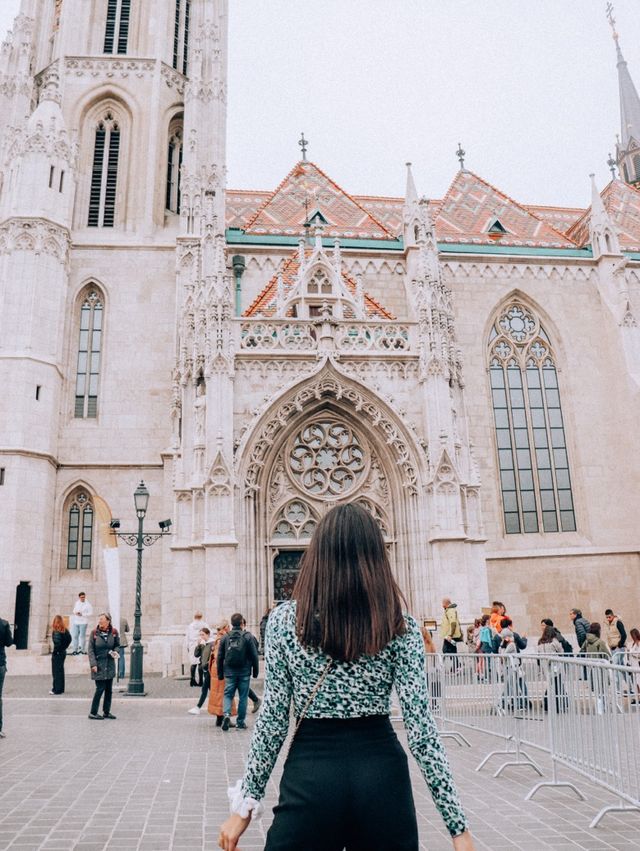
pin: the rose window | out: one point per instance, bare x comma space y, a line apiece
327, 459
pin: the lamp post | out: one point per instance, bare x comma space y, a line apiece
139, 540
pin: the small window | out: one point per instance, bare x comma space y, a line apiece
174, 166
38, 388
116, 33
79, 532
2, 475
52, 171
61, 184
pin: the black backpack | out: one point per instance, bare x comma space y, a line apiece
236, 652
566, 646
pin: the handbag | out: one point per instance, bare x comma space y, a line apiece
300, 717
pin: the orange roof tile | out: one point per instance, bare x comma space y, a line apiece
284, 212
622, 203
471, 205
265, 303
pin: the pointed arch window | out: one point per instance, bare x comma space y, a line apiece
181, 35
532, 451
104, 173
174, 166
89, 352
80, 516
116, 31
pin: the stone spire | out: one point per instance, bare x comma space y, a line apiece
410, 211
604, 238
628, 147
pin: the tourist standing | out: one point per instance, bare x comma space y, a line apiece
6, 640
202, 652
549, 645
237, 660
616, 637
191, 641
337, 650
581, 626
594, 645
82, 611
633, 651
124, 643
216, 693
103, 651
498, 611
450, 629
61, 639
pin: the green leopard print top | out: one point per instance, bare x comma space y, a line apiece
351, 690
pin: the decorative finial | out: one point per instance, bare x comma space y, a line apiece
612, 21
303, 144
612, 166
460, 153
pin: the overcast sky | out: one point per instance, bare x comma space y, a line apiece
529, 88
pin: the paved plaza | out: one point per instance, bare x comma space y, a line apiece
156, 779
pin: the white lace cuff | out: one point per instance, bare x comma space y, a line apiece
241, 806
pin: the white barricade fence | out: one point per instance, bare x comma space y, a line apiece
584, 713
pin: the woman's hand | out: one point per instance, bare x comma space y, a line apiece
463, 842
94, 669
234, 827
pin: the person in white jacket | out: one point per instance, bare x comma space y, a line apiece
191, 641
82, 611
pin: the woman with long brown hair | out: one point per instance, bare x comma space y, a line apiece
61, 639
337, 650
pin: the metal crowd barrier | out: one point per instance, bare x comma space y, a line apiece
584, 713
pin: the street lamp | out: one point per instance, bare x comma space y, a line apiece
139, 540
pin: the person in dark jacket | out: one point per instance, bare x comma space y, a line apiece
61, 638
6, 640
580, 624
103, 652
237, 659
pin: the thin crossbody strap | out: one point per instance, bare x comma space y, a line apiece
315, 691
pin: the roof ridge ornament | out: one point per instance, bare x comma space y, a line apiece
460, 153
304, 143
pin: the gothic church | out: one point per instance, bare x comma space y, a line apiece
467, 368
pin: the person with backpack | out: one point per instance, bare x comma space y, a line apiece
567, 648
237, 660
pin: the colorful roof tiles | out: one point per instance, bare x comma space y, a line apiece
622, 203
266, 302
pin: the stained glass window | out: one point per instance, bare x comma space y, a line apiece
89, 349
532, 453
80, 532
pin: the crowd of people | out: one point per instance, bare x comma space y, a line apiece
493, 633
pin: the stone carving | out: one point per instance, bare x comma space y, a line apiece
173, 79
278, 369
107, 67
219, 479
328, 385
292, 336
381, 338
294, 521
34, 235
327, 459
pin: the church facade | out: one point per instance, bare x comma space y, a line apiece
467, 368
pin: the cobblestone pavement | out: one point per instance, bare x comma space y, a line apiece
156, 779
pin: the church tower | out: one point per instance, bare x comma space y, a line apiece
628, 143
113, 154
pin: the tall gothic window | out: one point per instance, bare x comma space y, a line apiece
181, 35
89, 350
116, 31
174, 164
79, 532
532, 450
104, 173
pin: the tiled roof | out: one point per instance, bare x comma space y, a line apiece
622, 203
265, 303
284, 211
561, 218
471, 205
241, 205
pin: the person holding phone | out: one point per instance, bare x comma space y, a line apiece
103, 646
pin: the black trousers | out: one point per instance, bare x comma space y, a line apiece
102, 687
57, 672
206, 684
345, 785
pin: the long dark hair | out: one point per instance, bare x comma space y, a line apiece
347, 601
548, 634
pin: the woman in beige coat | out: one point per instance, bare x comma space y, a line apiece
216, 693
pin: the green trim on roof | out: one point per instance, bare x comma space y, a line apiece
235, 236
513, 250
